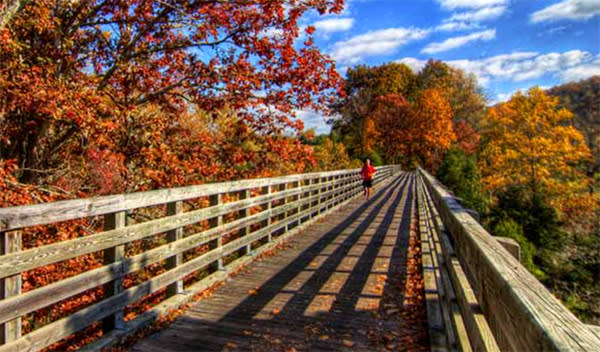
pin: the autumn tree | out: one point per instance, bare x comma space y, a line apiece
366, 131
465, 97
532, 144
421, 131
583, 100
332, 155
363, 85
432, 127
81, 77
393, 117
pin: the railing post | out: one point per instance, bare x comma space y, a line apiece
175, 208
283, 187
319, 191
331, 190
339, 182
217, 199
346, 182
115, 254
312, 204
10, 242
267, 207
298, 185
245, 194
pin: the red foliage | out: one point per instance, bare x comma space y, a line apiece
103, 97
467, 138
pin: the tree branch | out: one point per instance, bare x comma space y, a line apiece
10, 10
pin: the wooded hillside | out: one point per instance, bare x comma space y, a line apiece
583, 100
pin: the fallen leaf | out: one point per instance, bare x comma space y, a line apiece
348, 343
231, 344
276, 311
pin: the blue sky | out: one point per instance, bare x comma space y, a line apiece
508, 44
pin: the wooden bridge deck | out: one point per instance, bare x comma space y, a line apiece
344, 283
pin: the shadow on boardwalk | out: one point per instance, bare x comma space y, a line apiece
339, 287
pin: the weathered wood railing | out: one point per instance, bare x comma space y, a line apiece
261, 211
479, 297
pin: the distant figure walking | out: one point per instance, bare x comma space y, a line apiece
367, 174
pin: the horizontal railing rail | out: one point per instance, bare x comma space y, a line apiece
520, 312
261, 212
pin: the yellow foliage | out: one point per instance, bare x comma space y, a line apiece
333, 156
531, 142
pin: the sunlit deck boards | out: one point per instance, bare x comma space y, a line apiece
340, 286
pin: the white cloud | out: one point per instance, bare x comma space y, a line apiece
580, 72
313, 119
456, 26
480, 15
334, 25
577, 10
455, 42
470, 4
415, 64
523, 66
375, 43
502, 97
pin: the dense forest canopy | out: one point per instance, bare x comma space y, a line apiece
136, 84
393, 113
583, 100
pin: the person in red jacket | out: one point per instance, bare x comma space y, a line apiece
367, 175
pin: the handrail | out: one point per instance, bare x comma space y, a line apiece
262, 213
523, 315
13, 218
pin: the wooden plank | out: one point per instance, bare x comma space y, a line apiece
510, 245
55, 331
478, 331
244, 213
46, 213
175, 235
267, 207
522, 313
480, 334
455, 329
114, 255
42, 297
11, 264
10, 286
217, 200
462, 335
164, 307
64, 327
595, 329
433, 301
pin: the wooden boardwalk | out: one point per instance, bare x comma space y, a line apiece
343, 284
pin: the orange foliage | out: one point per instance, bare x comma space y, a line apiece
531, 144
422, 131
101, 97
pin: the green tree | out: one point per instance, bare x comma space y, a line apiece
460, 173
511, 229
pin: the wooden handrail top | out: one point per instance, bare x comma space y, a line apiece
522, 313
12, 218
